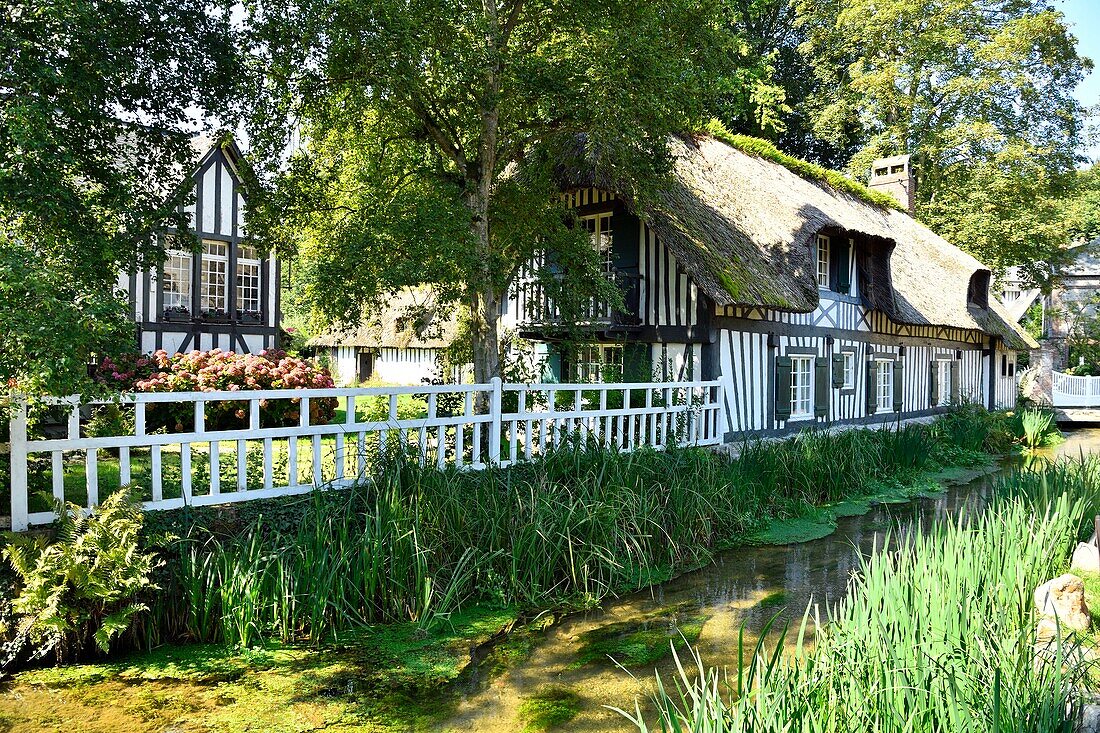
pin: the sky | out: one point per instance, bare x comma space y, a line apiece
1084, 19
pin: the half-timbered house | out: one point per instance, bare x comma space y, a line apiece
811, 305
218, 292
400, 343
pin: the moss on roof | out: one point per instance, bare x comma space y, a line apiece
758, 148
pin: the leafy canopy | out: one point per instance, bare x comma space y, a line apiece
94, 98
431, 130
979, 91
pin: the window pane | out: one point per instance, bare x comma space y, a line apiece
214, 290
248, 286
822, 261
176, 282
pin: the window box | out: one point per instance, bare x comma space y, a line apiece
215, 316
177, 314
250, 316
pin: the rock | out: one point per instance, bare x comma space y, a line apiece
1090, 719
1086, 558
1064, 598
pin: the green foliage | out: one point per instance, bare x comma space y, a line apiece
641, 642
810, 171
96, 101
981, 93
418, 545
937, 636
1081, 207
1037, 429
443, 171
87, 585
550, 707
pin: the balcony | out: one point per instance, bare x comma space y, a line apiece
539, 310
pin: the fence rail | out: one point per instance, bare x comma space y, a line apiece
200, 448
1068, 390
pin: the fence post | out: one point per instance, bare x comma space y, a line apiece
494, 426
20, 520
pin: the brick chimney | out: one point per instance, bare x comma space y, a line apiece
895, 177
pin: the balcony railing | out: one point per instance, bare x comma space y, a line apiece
539, 308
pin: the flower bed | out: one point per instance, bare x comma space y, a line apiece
217, 370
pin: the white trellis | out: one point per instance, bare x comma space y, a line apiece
197, 466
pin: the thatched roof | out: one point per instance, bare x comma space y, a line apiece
411, 319
743, 226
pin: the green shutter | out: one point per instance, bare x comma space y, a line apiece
552, 371
843, 267
838, 370
782, 387
821, 386
955, 382
934, 383
872, 387
899, 383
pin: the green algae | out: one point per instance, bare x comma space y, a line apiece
384, 678
643, 641
550, 707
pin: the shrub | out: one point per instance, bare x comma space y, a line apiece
84, 586
217, 370
1036, 428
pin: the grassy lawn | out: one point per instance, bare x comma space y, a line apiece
386, 678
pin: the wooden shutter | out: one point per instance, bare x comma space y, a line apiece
625, 240
838, 370
782, 387
842, 256
934, 384
872, 387
821, 386
955, 380
899, 382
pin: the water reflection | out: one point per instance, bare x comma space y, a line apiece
743, 588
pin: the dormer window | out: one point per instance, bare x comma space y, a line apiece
823, 261
978, 290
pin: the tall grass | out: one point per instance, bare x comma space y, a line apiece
417, 543
936, 634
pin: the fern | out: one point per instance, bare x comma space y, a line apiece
85, 585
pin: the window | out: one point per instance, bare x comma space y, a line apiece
848, 368
599, 226
822, 261
176, 281
943, 383
801, 387
248, 280
884, 399
214, 285
598, 363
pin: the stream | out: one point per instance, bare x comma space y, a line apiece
742, 588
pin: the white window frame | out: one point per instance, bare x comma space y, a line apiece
591, 360
248, 280
943, 382
848, 369
822, 259
599, 227
176, 280
884, 385
802, 387
213, 297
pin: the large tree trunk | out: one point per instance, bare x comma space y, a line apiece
483, 300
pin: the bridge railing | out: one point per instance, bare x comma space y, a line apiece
1068, 390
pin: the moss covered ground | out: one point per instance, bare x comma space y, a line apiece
387, 678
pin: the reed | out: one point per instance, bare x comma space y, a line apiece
415, 544
937, 633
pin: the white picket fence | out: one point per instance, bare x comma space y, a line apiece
1071, 391
197, 466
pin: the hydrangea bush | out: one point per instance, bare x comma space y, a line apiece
217, 370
